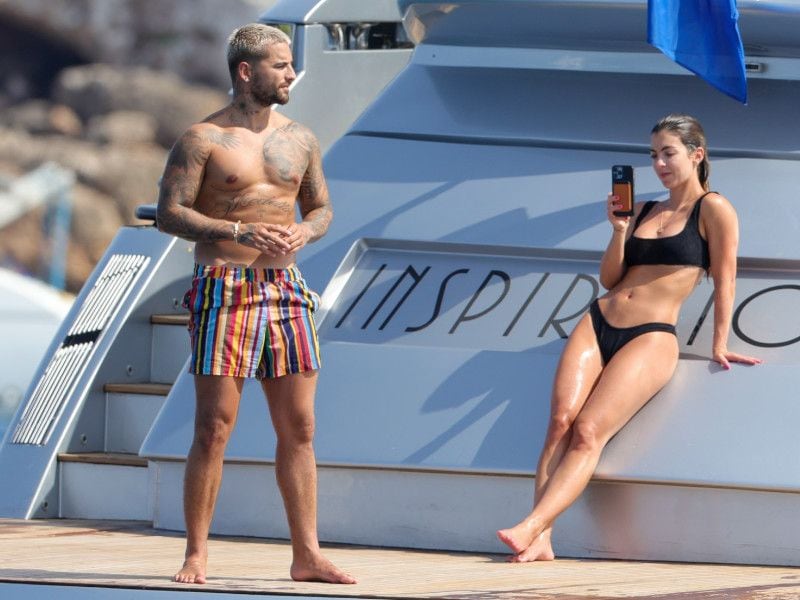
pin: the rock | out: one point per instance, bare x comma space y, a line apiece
122, 127
99, 89
183, 36
29, 151
94, 221
40, 116
65, 121
128, 174
79, 267
23, 244
131, 176
9, 170
110, 123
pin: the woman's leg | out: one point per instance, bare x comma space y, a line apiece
577, 373
640, 368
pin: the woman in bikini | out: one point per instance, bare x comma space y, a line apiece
625, 350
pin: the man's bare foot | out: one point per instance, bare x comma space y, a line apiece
192, 571
540, 549
519, 537
319, 568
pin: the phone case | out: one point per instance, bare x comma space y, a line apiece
622, 187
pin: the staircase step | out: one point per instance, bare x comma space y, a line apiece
104, 486
170, 319
170, 346
104, 458
149, 389
131, 409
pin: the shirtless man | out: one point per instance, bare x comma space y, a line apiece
232, 184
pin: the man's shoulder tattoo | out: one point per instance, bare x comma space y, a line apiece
189, 151
226, 139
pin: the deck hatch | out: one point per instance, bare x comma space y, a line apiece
68, 362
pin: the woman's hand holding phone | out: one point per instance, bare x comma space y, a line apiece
622, 188
613, 206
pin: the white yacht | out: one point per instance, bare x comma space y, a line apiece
470, 221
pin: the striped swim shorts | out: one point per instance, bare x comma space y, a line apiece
251, 322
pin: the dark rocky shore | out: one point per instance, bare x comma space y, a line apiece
104, 93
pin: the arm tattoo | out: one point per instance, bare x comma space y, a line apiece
313, 197
191, 225
319, 220
180, 185
187, 152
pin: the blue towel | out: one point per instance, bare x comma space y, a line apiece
702, 36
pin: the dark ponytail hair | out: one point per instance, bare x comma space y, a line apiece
691, 133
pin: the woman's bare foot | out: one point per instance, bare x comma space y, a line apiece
540, 549
319, 568
519, 537
192, 571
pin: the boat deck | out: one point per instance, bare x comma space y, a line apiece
132, 555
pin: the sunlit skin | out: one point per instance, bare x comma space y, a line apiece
248, 164
591, 402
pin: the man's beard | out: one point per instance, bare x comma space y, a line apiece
268, 96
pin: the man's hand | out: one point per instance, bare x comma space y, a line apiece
267, 238
299, 235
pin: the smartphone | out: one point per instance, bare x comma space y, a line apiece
622, 188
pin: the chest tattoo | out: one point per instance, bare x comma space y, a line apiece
225, 139
286, 154
249, 202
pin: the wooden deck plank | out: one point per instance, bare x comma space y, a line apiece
153, 389
181, 319
104, 458
133, 555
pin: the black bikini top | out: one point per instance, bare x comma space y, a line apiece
685, 248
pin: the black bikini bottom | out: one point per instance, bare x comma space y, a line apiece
611, 339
